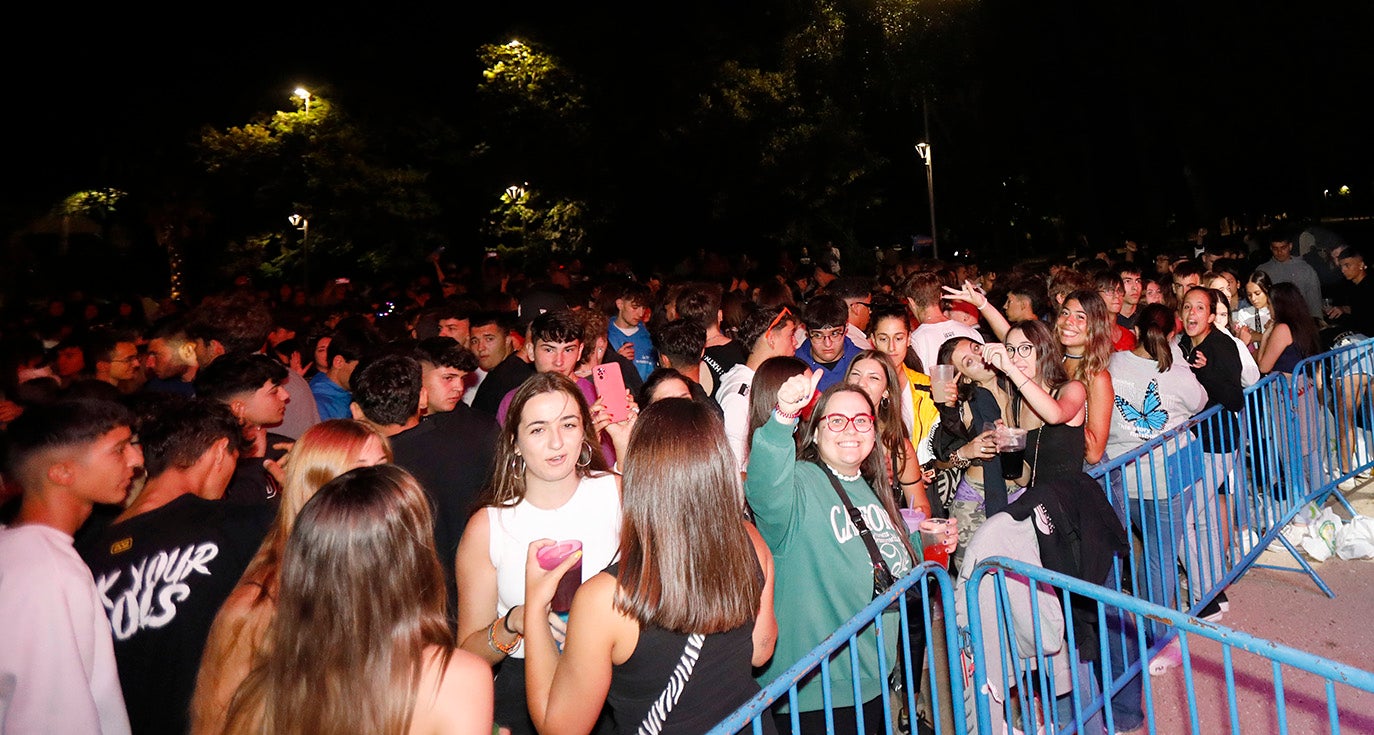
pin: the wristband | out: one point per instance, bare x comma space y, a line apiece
777, 408
503, 649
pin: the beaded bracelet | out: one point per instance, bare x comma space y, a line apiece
777, 408
504, 650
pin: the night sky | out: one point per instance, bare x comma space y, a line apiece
1124, 111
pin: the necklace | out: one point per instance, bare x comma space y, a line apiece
843, 476
1067, 356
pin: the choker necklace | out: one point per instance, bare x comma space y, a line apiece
842, 476
1067, 356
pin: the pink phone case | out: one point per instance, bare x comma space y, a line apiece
610, 388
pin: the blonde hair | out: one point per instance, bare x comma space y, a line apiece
325, 451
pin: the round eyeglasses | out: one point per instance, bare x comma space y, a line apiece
837, 422
1024, 349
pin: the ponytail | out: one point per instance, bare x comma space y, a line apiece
1153, 329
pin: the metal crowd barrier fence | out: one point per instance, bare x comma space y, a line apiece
1062, 689
1215, 492
1203, 501
924, 601
1334, 407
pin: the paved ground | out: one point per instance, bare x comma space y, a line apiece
1286, 608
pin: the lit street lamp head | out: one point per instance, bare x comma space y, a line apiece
304, 94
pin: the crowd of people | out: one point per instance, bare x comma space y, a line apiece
269, 511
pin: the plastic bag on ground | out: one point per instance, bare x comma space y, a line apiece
1355, 540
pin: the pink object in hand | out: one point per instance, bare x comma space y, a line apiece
549, 558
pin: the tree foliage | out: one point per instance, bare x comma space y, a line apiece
369, 209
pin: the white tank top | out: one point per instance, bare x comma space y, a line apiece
591, 515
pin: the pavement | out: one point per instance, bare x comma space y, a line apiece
1287, 608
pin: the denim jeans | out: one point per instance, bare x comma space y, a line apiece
1128, 711
1161, 524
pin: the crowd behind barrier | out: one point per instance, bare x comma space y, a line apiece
444, 376
1014, 655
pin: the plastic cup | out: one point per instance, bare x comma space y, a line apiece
549, 558
1011, 447
935, 534
940, 377
912, 517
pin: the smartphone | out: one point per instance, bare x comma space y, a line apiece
610, 388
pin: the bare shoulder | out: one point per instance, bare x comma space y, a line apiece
453, 697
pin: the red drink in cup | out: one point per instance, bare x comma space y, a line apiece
935, 533
549, 558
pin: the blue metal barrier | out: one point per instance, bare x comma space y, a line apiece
1295, 441
936, 618
1033, 698
1334, 408
1297, 438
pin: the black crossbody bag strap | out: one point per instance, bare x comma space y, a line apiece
854, 515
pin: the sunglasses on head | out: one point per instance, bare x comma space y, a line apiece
768, 333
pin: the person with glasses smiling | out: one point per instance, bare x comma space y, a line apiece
826, 347
801, 492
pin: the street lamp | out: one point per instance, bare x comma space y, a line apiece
303, 224
304, 94
928, 155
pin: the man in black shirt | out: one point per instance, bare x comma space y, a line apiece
491, 342
449, 453
164, 566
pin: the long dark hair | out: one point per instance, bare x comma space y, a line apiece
361, 599
1153, 327
507, 486
1287, 306
686, 562
1049, 354
872, 468
763, 390
892, 429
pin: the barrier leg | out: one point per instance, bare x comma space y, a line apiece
1306, 568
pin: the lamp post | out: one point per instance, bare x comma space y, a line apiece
304, 94
928, 155
303, 224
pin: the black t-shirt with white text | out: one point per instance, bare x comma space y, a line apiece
162, 576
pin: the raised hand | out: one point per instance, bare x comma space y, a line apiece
796, 392
969, 292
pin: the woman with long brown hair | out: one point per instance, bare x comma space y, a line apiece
237, 638
669, 593
360, 641
550, 481
872, 371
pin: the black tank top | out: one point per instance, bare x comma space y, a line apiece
721, 679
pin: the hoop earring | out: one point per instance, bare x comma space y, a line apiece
517, 460
585, 458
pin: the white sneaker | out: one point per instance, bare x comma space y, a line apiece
1346, 485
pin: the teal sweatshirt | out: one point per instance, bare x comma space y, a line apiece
823, 571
